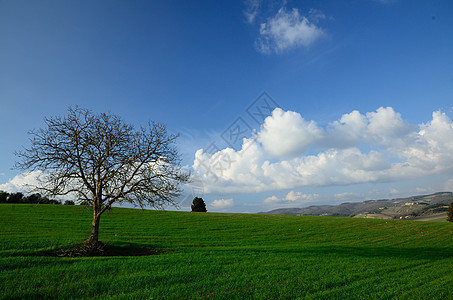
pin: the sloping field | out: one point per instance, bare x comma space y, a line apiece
439, 217
223, 256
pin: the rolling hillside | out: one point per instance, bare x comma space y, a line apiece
426, 207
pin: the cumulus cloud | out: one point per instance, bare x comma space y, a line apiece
286, 133
347, 131
293, 198
272, 199
376, 146
385, 125
22, 182
289, 29
222, 203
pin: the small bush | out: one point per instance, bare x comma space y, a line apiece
198, 205
450, 213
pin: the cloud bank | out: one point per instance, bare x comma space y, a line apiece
289, 152
22, 182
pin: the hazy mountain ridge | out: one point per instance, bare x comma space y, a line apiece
400, 208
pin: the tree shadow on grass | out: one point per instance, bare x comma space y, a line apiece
102, 250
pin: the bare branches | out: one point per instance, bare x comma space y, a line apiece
104, 160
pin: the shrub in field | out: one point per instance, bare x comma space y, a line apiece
198, 205
450, 213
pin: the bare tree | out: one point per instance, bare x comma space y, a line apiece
103, 160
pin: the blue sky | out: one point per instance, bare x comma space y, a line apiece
365, 90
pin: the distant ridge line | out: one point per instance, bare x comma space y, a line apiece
398, 208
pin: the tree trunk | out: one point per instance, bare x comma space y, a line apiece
94, 235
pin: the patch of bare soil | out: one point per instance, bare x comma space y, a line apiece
101, 249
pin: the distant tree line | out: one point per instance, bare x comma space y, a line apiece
20, 198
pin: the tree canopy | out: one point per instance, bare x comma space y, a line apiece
198, 205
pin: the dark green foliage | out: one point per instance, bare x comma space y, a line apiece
16, 198
3, 196
198, 205
33, 198
19, 198
69, 202
450, 213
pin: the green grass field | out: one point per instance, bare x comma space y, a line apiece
223, 256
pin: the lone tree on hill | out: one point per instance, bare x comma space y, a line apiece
198, 205
103, 160
450, 213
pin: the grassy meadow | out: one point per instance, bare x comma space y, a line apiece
223, 256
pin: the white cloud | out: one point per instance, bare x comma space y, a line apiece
293, 198
287, 30
222, 203
346, 132
430, 152
272, 199
287, 133
22, 182
354, 159
382, 127
252, 9
358, 148
299, 197
385, 125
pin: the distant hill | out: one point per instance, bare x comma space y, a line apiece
424, 207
